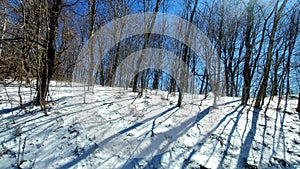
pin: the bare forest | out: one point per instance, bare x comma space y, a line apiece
245, 49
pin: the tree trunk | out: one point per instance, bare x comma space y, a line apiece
92, 12
155, 83
298, 108
49, 58
182, 83
293, 34
262, 90
3, 31
146, 38
247, 67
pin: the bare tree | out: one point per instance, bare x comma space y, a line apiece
262, 90
185, 57
4, 26
248, 54
145, 45
49, 59
92, 13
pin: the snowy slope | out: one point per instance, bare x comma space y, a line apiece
115, 130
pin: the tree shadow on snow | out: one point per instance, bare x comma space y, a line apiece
203, 140
158, 143
228, 142
175, 133
246, 145
9, 110
92, 148
281, 133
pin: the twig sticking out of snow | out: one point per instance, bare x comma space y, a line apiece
21, 161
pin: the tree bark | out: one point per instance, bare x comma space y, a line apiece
262, 90
92, 12
48, 60
247, 67
183, 79
298, 108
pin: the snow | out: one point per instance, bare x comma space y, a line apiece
113, 129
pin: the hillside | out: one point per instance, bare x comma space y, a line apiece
113, 129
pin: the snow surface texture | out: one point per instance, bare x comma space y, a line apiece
113, 129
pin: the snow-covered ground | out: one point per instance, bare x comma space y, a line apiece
113, 129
